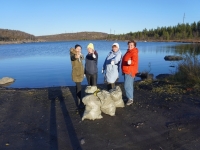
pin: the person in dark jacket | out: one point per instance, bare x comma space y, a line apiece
77, 71
91, 69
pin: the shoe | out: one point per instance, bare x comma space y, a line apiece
129, 102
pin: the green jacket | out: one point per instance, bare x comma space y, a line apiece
77, 66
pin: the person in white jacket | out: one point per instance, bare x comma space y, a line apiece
112, 65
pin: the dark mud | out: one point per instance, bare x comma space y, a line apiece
47, 119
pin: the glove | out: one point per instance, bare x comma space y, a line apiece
93, 55
112, 62
129, 62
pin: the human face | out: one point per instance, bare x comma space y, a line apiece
90, 50
131, 46
115, 48
78, 49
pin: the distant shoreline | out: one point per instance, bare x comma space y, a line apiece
38, 41
19, 42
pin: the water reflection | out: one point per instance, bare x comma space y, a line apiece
186, 49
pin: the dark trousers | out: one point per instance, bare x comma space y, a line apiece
111, 85
78, 93
92, 79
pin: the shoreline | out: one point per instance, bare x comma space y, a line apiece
24, 42
19, 42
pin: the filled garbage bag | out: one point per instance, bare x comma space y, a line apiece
107, 104
92, 107
91, 89
116, 95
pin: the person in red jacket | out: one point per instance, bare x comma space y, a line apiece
130, 69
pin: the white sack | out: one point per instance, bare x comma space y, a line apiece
91, 89
116, 95
107, 104
92, 109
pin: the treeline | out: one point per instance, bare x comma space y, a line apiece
179, 32
15, 35
75, 36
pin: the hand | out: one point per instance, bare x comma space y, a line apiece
129, 62
93, 55
102, 71
112, 62
84, 75
77, 56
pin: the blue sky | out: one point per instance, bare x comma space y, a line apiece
45, 17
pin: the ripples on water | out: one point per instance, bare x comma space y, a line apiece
48, 64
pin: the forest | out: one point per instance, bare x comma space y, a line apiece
15, 35
180, 32
184, 31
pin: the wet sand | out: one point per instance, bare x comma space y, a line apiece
47, 119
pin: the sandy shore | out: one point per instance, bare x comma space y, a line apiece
48, 119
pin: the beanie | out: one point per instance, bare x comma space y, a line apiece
90, 46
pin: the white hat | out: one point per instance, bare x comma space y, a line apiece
116, 44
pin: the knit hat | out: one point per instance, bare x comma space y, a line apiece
116, 44
90, 46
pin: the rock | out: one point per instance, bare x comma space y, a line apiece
7, 144
172, 66
6, 80
163, 76
173, 58
145, 76
82, 141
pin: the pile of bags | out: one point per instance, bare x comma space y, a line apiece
101, 101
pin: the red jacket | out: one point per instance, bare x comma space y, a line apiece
131, 69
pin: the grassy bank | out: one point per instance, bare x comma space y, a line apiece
188, 71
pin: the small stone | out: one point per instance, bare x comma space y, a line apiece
7, 144
82, 141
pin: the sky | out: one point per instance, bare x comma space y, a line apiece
47, 17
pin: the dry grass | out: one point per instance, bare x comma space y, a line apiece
188, 71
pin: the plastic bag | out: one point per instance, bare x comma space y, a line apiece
91, 89
116, 95
107, 104
92, 108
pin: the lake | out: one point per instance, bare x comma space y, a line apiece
37, 65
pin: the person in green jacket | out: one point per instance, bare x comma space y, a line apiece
77, 71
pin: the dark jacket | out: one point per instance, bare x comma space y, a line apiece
91, 63
77, 66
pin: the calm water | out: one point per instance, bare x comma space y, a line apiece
48, 64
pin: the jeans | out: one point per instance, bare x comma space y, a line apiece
129, 86
92, 79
